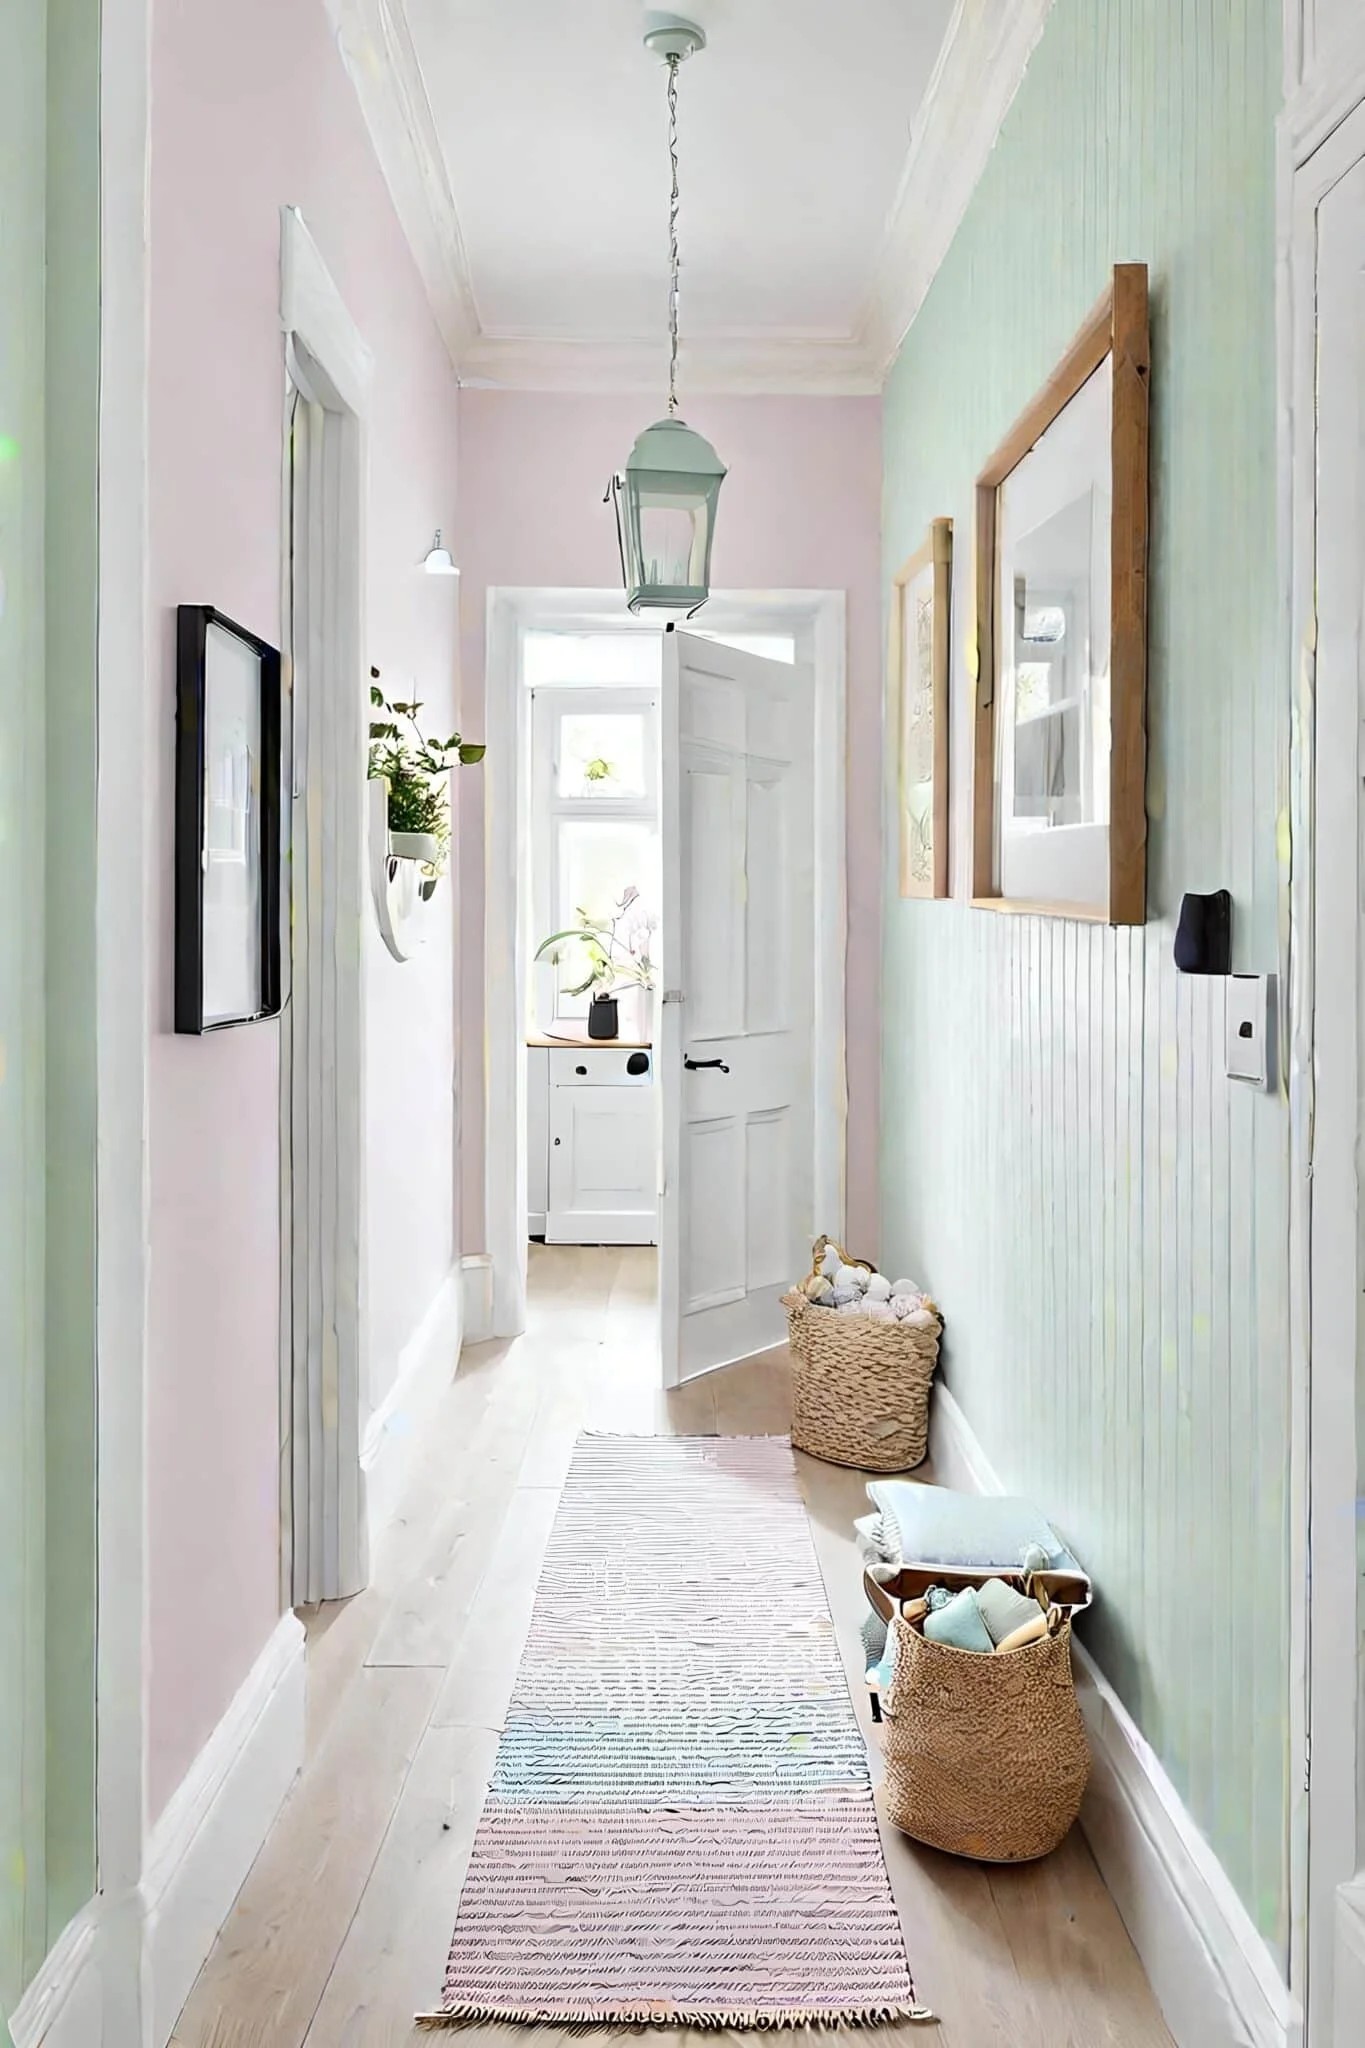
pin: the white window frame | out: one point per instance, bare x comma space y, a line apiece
549, 810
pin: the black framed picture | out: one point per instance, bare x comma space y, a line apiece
227, 823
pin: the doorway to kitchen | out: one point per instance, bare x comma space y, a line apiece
665, 866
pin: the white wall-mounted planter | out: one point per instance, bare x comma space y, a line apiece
418, 846
402, 892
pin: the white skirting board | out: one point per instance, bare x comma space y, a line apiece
477, 1271
197, 1857
207, 1839
1213, 1975
62, 2006
426, 1366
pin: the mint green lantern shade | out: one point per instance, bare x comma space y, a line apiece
665, 517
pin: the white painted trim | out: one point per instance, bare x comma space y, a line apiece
197, 1858
983, 58
61, 2007
1212, 1973
830, 658
129, 714
1323, 82
819, 616
506, 940
1321, 134
324, 1525
313, 311
821, 366
476, 1271
1348, 1976
426, 1367
208, 1837
376, 46
980, 68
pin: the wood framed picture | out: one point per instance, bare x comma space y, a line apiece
227, 823
1060, 584
921, 600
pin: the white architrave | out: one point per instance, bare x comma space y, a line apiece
322, 1042
1321, 134
817, 619
122, 942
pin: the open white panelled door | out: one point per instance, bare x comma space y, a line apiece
736, 1024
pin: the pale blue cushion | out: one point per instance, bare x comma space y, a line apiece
959, 1624
936, 1525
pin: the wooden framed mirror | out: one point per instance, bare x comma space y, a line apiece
1059, 821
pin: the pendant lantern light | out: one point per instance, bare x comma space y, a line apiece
665, 497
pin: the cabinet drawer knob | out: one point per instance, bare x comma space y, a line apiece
580, 1070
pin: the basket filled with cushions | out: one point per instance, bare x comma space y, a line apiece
968, 1641
985, 1747
864, 1350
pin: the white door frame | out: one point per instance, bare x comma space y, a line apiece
129, 727
323, 1523
1321, 136
817, 619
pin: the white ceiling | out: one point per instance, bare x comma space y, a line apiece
828, 149
794, 127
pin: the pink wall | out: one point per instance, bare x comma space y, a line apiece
251, 109
801, 507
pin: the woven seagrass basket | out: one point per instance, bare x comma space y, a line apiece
984, 1756
860, 1388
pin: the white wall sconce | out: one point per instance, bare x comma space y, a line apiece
437, 560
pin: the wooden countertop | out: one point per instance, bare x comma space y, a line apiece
540, 1038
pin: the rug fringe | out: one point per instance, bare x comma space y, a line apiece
755, 2019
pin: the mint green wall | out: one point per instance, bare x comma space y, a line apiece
72, 451
49, 384
22, 1882
1102, 1215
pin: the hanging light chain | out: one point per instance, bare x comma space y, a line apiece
673, 237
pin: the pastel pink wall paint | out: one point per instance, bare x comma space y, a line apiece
801, 507
251, 110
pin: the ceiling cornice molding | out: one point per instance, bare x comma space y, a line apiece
740, 364
377, 49
980, 68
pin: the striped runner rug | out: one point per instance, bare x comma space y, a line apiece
680, 1826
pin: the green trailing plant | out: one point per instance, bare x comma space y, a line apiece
415, 768
617, 948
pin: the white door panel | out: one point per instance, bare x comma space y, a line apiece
735, 1217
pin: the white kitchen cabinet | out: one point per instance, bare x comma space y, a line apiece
592, 1130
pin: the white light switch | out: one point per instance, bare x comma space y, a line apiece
1249, 1027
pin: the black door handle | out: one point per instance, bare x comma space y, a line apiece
693, 1065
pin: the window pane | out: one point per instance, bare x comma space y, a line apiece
598, 861
602, 754
630, 656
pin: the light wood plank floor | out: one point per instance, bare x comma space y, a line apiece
340, 1931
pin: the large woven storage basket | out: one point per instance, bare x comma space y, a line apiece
984, 1756
860, 1388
